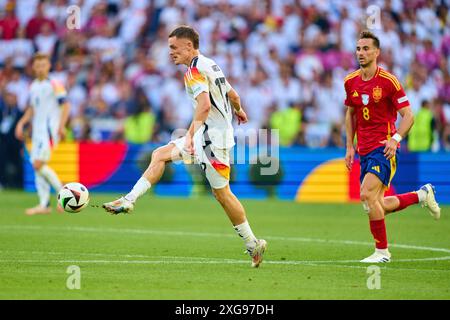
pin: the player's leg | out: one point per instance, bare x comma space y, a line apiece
232, 206
41, 167
372, 190
425, 195
43, 191
48, 174
236, 213
152, 175
40, 153
216, 164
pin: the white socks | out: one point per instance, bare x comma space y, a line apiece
51, 177
43, 190
141, 186
384, 251
422, 194
246, 233
43, 179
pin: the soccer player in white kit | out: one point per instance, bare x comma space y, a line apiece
48, 112
208, 141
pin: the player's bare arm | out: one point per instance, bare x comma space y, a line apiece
350, 133
235, 101
65, 112
405, 125
28, 115
200, 116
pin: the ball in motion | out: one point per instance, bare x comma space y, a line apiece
73, 197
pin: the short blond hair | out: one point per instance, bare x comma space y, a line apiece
41, 56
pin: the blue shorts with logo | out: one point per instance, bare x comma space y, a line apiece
376, 163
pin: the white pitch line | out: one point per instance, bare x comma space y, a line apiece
205, 258
205, 234
191, 260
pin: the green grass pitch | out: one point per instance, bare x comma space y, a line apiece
173, 248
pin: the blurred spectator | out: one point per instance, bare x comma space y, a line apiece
56, 10
308, 65
287, 88
45, 40
21, 50
336, 137
9, 24
420, 137
428, 56
138, 127
288, 122
76, 95
446, 126
34, 26
274, 53
10, 148
18, 84
132, 20
328, 101
98, 18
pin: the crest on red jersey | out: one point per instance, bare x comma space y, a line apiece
377, 93
365, 99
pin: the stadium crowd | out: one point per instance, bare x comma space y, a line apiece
286, 58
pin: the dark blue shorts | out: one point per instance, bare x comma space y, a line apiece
375, 162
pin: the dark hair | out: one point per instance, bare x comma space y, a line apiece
186, 32
369, 35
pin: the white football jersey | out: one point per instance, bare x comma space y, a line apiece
45, 98
204, 75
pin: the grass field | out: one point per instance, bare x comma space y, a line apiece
186, 249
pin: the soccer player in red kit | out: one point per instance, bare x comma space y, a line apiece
373, 99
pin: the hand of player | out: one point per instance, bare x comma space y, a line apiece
61, 134
390, 148
189, 144
19, 132
349, 157
242, 116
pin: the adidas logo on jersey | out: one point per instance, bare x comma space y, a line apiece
355, 94
376, 168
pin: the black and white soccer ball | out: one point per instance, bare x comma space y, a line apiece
73, 197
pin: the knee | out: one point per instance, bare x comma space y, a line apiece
37, 165
221, 195
367, 198
366, 195
216, 194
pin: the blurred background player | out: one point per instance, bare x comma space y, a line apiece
48, 112
373, 98
207, 142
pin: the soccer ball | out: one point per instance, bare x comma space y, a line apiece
73, 197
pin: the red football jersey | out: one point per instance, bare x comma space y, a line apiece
375, 102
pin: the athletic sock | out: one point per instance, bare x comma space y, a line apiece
378, 229
422, 194
51, 177
407, 199
246, 233
141, 186
43, 190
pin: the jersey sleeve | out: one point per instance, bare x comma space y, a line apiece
399, 98
347, 101
228, 86
197, 81
59, 91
